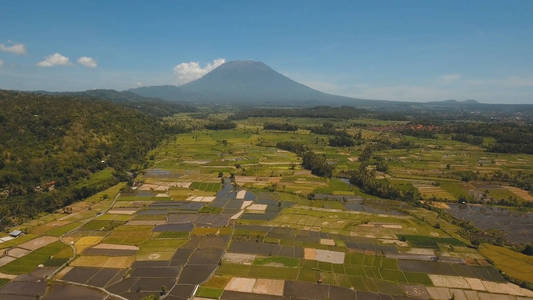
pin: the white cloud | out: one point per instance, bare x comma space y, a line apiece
189, 71
88, 62
55, 59
13, 48
449, 78
139, 84
1, 63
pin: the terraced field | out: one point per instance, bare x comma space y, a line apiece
225, 215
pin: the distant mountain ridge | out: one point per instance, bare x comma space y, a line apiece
254, 83
248, 82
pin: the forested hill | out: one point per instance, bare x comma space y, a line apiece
152, 106
55, 150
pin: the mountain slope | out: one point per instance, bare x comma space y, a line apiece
248, 82
253, 83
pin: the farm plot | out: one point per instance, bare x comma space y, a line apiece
523, 194
439, 268
205, 186
30, 261
327, 256
115, 262
256, 286
58, 291
111, 250
86, 242
429, 191
516, 265
159, 249
30, 286
93, 275
129, 235
518, 226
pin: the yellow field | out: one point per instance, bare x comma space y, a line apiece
86, 242
516, 265
104, 261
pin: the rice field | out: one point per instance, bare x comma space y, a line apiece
228, 211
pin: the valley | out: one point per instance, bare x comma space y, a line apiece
289, 208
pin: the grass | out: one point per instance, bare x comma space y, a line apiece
273, 272
18, 241
514, 264
420, 278
101, 225
109, 193
421, 241
205, 186
208, 292
163, 248
217, 281
58, 231
3, 282
29, 262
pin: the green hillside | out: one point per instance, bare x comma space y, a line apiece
55, 150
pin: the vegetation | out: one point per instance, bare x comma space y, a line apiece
29, 262
280, 126
317, 163
342, 139
365, 178
56, 150
220, 125
344, 112
295, 147
514, 264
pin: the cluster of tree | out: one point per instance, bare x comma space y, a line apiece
424, 133
366, 154
381, 164
343, 112
467, 138
317, 163
295, 147
151, 106
509, 137
386, 143
220, 125
366, 180
342, 139
327, 128
280, 126
518, 179
466, 175
50, 143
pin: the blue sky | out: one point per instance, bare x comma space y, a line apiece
400, 50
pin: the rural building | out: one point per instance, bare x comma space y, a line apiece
15, 233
